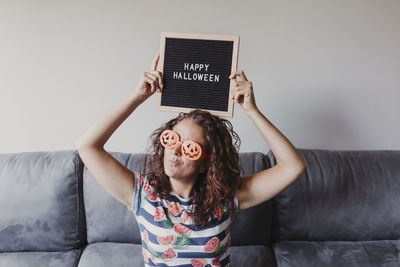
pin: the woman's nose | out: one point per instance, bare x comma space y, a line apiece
178, 149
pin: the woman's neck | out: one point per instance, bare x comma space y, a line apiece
182, 188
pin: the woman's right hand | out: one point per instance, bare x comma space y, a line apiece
150, 81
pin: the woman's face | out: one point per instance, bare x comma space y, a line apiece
176, 165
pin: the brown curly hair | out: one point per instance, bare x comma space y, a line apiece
221, 180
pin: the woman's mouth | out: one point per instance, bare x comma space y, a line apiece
175, 162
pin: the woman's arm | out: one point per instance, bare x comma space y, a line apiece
266, 184
114, 177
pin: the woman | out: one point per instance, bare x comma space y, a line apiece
185, 201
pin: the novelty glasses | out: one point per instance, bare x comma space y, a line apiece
190, 149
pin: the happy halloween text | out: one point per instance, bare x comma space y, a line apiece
197, 75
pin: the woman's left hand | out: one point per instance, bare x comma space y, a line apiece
243, 91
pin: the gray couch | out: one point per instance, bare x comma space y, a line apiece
343, 211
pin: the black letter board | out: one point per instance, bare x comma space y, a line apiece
196, 71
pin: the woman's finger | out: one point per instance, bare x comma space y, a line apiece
151, 81
156, 77
242, 91
238, 91
241, 84
238, 97
159, 77
155, 60
248, 86
239, 73
154, 81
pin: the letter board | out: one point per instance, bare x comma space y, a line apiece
196, 71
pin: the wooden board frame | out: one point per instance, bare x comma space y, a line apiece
233, 38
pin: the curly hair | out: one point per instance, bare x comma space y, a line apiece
221, 180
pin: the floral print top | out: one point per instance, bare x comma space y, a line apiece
169, 235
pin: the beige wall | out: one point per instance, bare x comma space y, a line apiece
326, 73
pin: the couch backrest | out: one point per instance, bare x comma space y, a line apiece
39, 200
253, 226
342, 195
108, 220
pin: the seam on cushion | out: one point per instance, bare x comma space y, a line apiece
81, 205
77, 196
79, 166
277, 255
78, 256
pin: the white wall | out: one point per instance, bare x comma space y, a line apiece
326, 73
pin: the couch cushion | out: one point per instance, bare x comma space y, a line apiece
343, 195
338, 253
49, 259
99, 255
254, 256
39, 201
112, 254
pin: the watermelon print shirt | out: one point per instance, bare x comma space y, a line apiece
169, 235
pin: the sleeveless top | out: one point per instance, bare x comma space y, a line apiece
169, 235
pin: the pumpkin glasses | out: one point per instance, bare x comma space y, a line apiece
189, 148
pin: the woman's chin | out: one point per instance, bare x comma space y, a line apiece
169, 171
173, 174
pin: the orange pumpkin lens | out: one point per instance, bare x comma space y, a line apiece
169, 138
191, 150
